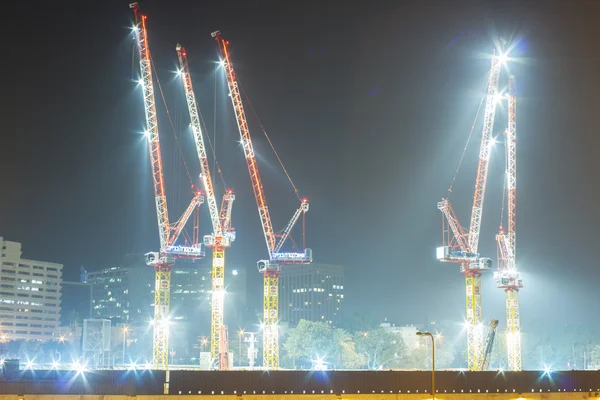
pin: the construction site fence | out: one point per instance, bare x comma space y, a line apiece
137, 382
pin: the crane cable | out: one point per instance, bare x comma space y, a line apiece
172, 126
466, 145
271, 144
210, 143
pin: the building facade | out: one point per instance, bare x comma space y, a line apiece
29, 295
125, 295
313, 292
76, 303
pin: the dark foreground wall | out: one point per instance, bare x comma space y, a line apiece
296, 382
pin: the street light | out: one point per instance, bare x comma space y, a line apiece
241, 335
432, 362
125, 329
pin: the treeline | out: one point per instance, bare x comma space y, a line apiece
318, 345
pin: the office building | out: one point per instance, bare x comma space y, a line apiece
109, 290
313, 292
125, 295
76, 303
29, 295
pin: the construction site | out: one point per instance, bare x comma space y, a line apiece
181, 236
459, 245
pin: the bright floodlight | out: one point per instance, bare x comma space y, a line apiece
54, 365
503, 58
29, 364
221, 63
547, 370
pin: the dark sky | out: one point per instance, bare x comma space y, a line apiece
369, 104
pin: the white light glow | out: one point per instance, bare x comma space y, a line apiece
221, 63
54, 365
29, 364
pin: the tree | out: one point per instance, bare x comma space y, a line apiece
381, 349
595, 357
420, 357
345, 354
309, 341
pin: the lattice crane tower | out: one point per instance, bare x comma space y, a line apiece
161, 261
269, 268
462, 248
507, 277
223, 234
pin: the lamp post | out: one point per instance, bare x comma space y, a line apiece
432, 362
241, 335
125, 329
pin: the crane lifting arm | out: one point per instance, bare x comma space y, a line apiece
225, 215
458, 231
151, 131
484, 153
205, 175
246, 141
179, 225
290, 225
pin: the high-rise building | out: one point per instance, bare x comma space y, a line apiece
29, 295
76, 303
110, 297
125, 294
314, 292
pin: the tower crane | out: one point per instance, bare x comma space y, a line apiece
163, 260
222, 233
507, 277
462, 248
270, 268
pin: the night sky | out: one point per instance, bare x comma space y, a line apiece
369, 105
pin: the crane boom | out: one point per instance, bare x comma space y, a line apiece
484, 153
489, 344
205, 174
288, 228
163, 260
270, 268
222, 235
179, 225
467, 256
152, 126
246, 141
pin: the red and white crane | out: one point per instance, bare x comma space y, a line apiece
222, 233
462, 248
507, 277
163, 260
269, 268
